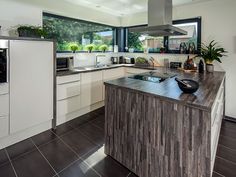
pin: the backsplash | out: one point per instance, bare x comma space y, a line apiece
88, 59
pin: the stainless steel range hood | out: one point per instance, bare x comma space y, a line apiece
159, 20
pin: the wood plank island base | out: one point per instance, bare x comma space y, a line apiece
157, 131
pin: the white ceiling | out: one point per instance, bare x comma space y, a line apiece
122, 7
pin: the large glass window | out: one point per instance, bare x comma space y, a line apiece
193, 37
139, 43
69, 31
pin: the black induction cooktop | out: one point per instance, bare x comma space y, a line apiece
156, 77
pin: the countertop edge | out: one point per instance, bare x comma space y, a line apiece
71, 72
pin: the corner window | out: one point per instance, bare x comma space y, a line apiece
68, 31
193, 37
170, 44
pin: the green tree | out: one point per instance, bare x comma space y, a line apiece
134, 42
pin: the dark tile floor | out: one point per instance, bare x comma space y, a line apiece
75, 149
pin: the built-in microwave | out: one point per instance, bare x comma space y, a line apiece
3, 61
64, 63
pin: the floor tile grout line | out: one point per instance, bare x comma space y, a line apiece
218, 173
11, 162
226, 160
89, 151
226, 147
90, 166
97, 126
228, 137
128, 174
88, 137
44, 157
75, 154
23, 154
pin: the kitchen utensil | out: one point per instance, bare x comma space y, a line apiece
187, 85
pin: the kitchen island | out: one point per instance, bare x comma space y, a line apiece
155, 130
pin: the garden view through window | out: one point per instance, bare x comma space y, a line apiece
139, 43
68, 32
191, 37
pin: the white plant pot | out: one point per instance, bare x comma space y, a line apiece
210, 68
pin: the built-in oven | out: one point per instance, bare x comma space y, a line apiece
64, 63
4, 61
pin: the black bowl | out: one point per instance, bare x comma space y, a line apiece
194, 86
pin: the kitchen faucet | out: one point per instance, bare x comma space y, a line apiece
97, 62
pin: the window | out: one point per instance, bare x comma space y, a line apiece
193, 28
171, 44
67, 31
138, 42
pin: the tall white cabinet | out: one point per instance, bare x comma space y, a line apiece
31, 83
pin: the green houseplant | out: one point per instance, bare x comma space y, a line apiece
210, 53
103, 48
31, 31
89, 47
74, 47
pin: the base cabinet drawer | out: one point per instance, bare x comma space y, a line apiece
68, 90
4, 105
4, 126
113, 74
68, 105
68, 79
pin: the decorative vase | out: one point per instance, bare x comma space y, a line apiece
210, 68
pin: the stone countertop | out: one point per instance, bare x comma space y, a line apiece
91, 69
209, 84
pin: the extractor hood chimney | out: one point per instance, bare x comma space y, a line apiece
159, 20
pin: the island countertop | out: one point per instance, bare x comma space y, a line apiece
209, 85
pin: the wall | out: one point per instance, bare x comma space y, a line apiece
218, 23
15, 12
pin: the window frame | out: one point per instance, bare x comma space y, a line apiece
114, 35
197, 20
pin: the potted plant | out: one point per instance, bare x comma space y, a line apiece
74, 47
89, 47
103, 48
210, 53
31, 31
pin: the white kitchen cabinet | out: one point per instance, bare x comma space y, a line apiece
91, 88
132, 71
115, 73
68, 94
67, 90
4, 105
4, 88
68, 106
4, 126
111, 74
217, 114
31, 83
68, 79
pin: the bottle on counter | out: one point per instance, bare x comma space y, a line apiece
201, 67
183, 48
